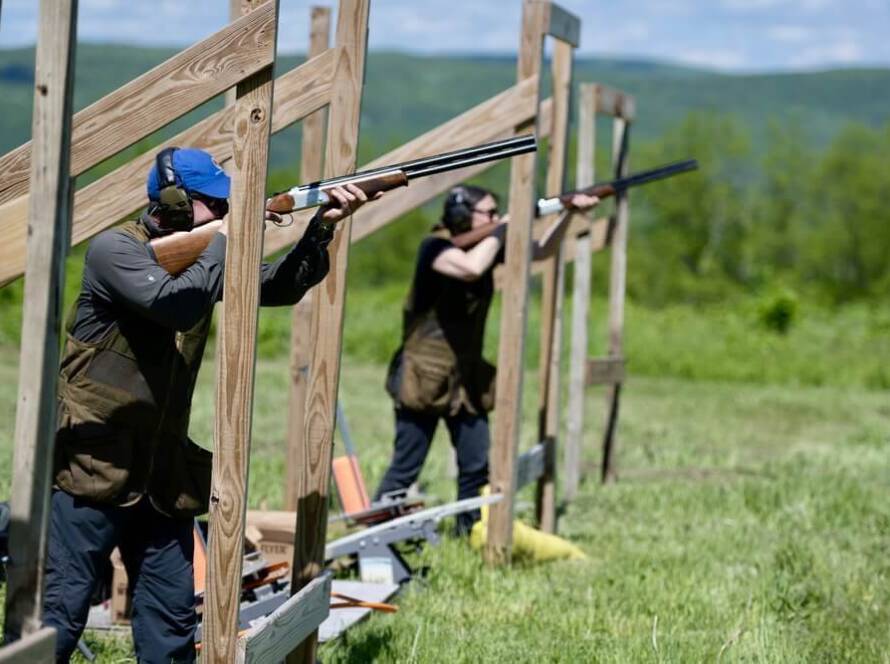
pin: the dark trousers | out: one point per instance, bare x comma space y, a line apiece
157, 552
414, 434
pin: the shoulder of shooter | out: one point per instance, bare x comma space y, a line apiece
547, 206
177, 251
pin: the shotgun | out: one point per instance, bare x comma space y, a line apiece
175, 252
547, 206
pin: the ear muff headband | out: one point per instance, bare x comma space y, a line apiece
458, 215
174, 201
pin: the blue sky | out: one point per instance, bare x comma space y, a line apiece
729, 35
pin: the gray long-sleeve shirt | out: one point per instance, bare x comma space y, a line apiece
121, 276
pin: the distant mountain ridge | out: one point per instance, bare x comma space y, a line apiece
407, 94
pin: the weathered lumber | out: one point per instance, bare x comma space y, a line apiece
156, 98
37, 648
311, 168
49, 222
584, 177
276, 635
514, 314
530, 465
604, 371
563, 25
552, 293
617, 281
327, 318
615, 103
237, 358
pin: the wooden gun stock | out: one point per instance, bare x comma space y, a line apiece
475, 236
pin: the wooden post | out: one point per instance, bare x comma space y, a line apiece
311, 164
234, 399
617, 281
552, 294
49, 229
314, 462
584, 177
515, 300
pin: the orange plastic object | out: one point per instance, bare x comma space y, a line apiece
199, 561
350, 485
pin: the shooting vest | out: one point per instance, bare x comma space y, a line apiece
124, 405
439, 368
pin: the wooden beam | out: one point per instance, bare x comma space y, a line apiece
237, 355
530, 465
514, 313
552, 293
584, 177
103, 203
604, 371
311, 168
49, 224
276, 635
617, 281
156, 98
36, 648
327, 319
615, 103
564, 25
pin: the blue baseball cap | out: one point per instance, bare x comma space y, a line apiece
196, 171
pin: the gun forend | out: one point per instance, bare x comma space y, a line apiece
315, 194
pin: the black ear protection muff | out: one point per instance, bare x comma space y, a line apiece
174, 202
458, 212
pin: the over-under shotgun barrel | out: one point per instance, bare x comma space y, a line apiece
390, 177
605, 189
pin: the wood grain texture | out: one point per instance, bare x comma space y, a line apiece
103, 203
604, 371
311, 168
564, 25
617, 287
276, 635
327, 320
584, 177
49, 223
552, 293
156, 98
36, 648
615, 103
237, 357
511, 349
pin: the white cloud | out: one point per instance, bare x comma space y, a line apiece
789, 34
713, 58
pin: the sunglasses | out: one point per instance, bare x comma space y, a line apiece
491, 213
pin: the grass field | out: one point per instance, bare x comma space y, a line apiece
750, 523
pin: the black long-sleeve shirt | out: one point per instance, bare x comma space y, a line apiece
121, 272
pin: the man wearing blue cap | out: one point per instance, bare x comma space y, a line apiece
126, 473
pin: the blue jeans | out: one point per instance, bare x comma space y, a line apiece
157, 552
414, 434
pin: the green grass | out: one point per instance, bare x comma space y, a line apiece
750, 523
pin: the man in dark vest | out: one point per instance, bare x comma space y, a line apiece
439, 372
126, 473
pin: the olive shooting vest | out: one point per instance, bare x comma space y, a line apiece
124, 406
439, 367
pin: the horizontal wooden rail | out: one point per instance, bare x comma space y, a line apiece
615, 103
298, 93
605, 371
156, 98
529, 466
279, 633
564, 25
36, 648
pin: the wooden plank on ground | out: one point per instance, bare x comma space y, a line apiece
327, 319
584, 177
604, 371
617, 281
49, 224
311, 168
37, 648
237, 358
281, 631
552, 293
530, 465
514, 313
156, 98
342, 619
